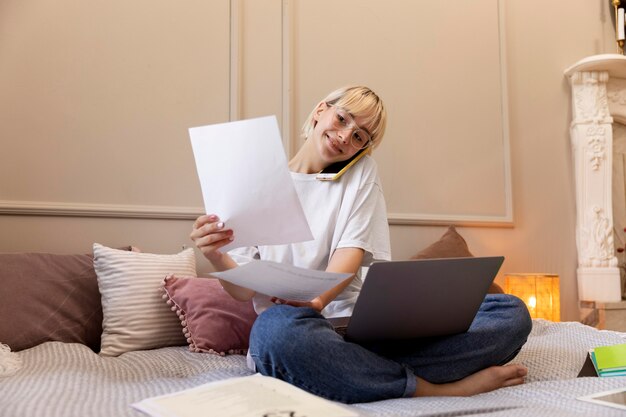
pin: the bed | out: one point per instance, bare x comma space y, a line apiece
69, 379
93, 335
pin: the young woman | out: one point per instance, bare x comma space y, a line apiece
294, 342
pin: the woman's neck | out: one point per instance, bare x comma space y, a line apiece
306, 160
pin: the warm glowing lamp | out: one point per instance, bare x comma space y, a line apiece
540, 292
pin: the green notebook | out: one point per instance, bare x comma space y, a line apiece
609, 360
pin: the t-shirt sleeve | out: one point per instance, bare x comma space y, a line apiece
366, 226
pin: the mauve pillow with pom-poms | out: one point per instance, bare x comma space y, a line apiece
212, 321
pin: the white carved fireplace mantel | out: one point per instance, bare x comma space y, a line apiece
598, 97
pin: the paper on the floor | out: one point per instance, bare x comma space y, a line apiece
614, 398
250, 396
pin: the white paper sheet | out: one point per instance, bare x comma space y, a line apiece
614, 398
281, 280
249, 396
245, 181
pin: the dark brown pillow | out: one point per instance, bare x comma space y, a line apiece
451, 245
48, 297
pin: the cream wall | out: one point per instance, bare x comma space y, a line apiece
95, 104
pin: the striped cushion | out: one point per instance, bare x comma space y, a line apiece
134, 315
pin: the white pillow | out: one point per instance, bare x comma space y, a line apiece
10, 362
134, 314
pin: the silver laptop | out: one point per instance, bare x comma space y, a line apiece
419, 298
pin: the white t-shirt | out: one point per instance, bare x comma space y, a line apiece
347, 213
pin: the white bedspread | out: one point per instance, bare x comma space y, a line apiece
65, 380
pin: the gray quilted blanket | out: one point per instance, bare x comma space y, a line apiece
66, 380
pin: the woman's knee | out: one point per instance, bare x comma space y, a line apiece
516, 323
520, 317
277, 331
508, 316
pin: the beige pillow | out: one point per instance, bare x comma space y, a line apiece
134, 315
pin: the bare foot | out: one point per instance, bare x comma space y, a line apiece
486, 380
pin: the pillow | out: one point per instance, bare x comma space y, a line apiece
10, 362
212, 320
134, 316
451, 245
48, 297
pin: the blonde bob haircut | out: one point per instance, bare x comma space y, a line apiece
359, 101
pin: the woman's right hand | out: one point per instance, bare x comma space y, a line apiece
209, 236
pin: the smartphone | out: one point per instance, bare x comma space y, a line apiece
333, 171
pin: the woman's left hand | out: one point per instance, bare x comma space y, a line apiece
343, 260
316, 303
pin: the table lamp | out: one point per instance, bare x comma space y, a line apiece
540, 292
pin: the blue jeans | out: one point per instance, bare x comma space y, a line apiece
298, 345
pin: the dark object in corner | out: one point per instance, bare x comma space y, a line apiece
588, 369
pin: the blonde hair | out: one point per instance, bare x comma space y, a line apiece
359, 101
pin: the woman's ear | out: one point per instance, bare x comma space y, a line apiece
319, 110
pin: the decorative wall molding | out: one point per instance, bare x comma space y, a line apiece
597, 245
234, 110
287, 78
41, 208
618, 97
116, 211
403, 219
505, 220
596, 145
290, 139
592, 146
290, 133
590, 99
